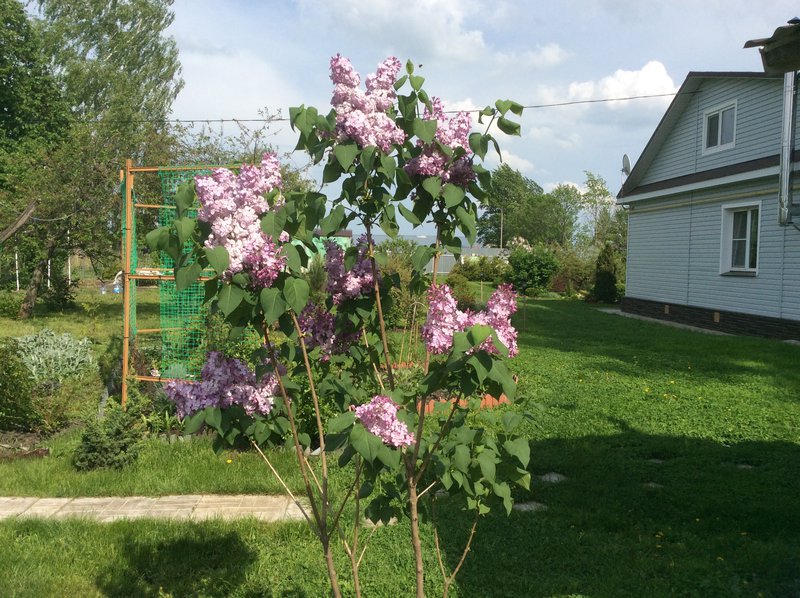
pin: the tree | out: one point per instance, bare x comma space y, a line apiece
118, 73
510, 191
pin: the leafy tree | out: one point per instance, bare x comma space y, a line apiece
119, 74
510, 192
532, 268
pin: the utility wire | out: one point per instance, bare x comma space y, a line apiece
286, 119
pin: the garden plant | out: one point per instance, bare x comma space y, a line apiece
395, 153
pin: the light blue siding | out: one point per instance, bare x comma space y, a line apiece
758, 128
674, 250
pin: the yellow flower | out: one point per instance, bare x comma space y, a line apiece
229, 461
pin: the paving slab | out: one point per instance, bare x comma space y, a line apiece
195, 507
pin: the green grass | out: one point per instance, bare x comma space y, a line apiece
682, 457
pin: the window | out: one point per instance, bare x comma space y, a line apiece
720, 128
740, 232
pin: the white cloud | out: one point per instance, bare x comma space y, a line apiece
562, 137
433, 29
651, 79
545, 56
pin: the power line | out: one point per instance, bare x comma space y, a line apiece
193, 121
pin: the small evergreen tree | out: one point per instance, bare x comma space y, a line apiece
605, 281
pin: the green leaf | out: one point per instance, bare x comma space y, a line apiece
292, 258
388, 457
468, 225
388, 166
421, 257
432, 185
509, 127
158, 238
211, 287
409, 215
503, 106
365, 443
346, 154
368, 157
272, 303
184, 198
229, 298
479, 144
400, 82
409, 67
218, 259
272, 223
453, 194
482, 364
520, 449
333, 221
341, 422
486, 461
186, 277
503, 491
295, 291
194, 422
511, 420
416, 82
462, 458
424, 129
214, 417
477, 334
388, 221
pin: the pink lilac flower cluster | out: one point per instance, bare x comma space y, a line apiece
452, 132
445, 319
361, 116
348, 284
225, 382
319, 330
379, 416
233, 206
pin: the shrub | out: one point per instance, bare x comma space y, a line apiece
61, 294
112, 440
317, 278
10, 303
532, 269
399, 311
465, 298
605, 281
17, 411
55, 357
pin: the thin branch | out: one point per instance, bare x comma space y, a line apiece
347, 496
374, 367
295, 437
285, 487
463, 554
364, 549
431, 485
442, 433
377, 289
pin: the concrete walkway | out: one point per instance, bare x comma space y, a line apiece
189, 507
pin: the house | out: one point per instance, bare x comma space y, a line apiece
711, 240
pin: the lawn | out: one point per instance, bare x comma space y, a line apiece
681, 453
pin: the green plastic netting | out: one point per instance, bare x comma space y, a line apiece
183, 315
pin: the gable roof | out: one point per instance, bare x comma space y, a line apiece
674, 112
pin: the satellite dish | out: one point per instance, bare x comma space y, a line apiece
626, 165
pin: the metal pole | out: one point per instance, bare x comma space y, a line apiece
48, 274
16, 267
69, 261
127, 177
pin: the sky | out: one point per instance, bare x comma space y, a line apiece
242, 56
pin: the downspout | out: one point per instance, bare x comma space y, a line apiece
787, 146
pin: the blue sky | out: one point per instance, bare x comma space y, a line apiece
241, 56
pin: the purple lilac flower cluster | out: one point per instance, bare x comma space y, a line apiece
361, 116
452, 132
379, 416
445, 319
319, 330
348, 284
233, 206
225, 382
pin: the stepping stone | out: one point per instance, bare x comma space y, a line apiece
744, 466
529, 507
652, 485
656, 461
553, 478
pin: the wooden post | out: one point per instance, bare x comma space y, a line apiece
127, 177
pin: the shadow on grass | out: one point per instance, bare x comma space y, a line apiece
196, 561
642, 515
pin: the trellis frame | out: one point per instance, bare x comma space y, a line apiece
131, 274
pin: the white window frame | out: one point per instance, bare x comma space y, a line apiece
719, 109
726, 238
